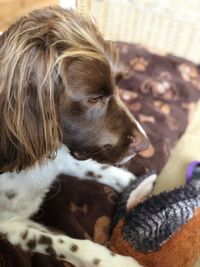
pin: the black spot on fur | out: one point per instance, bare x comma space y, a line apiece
3, 236
51, 251
113, 254
62, 256
10, 194
24, 234
74, 248
104, 167
60, 241
45, 240
96, 261
31, 244
91, 174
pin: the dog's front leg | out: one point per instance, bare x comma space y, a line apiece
31, 237
115, 177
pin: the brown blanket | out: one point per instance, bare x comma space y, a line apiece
161, 91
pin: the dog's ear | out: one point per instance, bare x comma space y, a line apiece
30, 88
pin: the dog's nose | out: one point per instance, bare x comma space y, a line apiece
138, 141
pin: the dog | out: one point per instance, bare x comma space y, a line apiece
60, 112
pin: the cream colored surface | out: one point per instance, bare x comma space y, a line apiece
186, 150
197, 263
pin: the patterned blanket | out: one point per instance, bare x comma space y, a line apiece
161, 91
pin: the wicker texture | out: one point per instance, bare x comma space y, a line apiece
163, 25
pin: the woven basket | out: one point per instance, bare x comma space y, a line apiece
166, 26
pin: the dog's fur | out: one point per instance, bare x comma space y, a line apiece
58, 99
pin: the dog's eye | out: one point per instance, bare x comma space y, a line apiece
95, 100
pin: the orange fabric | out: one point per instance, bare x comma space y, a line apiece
181, 250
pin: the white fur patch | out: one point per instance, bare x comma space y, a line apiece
141, 192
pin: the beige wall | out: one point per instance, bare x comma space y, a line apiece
10, 10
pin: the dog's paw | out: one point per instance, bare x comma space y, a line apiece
117, 178
120, 261
103, 257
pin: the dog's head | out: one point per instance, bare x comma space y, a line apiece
58, 84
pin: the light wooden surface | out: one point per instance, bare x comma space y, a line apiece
11, 10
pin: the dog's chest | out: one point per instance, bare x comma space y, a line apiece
22, 194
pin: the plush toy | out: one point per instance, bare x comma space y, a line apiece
162, 231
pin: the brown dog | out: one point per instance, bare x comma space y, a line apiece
58, 94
